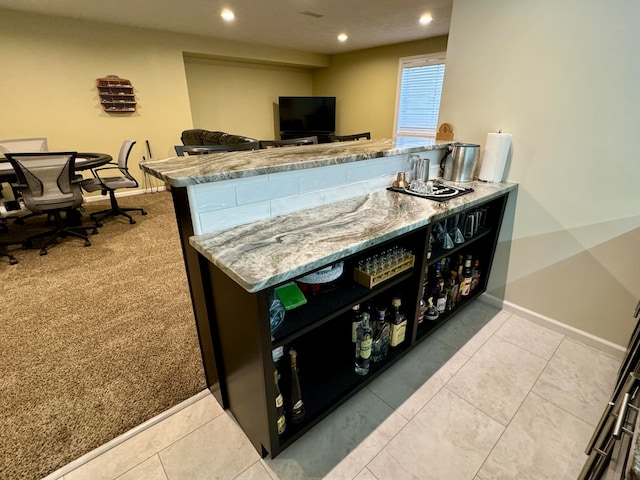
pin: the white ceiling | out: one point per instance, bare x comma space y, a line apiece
280, 23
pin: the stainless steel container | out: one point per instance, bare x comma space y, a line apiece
459, 164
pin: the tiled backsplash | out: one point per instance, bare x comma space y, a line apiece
228, 203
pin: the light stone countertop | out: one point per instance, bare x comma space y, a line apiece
265, 253
195, 169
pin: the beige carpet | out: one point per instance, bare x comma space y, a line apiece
93, 340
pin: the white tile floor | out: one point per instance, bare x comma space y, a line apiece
489, 396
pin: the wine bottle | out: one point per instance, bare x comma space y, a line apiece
466, 274
398, 323
356, 317
297, 406
280, 420
363, 346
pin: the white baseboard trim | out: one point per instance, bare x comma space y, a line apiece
606, 346
124, 193
58, 474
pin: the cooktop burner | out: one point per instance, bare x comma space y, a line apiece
439, 193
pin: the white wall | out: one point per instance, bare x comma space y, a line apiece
564, 79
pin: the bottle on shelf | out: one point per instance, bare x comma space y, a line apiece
297, 406
460, 281
432, 312
381, 333
441, 298
398, 323
475, 274
277, 354
363, 346
465, 286
280, 420
356, 317
453, 295
422, 309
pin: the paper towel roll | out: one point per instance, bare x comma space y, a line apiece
494, 158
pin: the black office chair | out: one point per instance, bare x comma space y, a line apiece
205, 149
48, 184
9, 209
111, 184
347, 138
290, 142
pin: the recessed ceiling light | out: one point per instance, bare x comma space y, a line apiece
343, 37
227, 15
425, 19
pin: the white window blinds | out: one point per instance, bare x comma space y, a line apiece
420, 88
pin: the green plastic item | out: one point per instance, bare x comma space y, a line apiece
291, 296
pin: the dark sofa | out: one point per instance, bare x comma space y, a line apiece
198, 136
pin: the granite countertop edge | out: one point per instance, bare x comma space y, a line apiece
198, 169
273, 255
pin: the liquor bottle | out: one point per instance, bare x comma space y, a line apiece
297, 406
280, 420
426, 289
448, 290
435, 289
441, 298
475, 274
422, 308
460, 282
381, 333
363, 346
356, 316
432, 312
438, 274
453, 296
398, 323
466, 274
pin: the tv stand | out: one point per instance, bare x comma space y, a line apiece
323, 137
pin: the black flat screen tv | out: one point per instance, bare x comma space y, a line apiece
307, 114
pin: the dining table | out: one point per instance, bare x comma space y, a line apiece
84, 161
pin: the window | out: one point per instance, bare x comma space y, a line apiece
419, 90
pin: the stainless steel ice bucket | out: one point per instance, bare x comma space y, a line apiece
459, 164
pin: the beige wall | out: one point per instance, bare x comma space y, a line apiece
49, 71
241, 97
564, 79
364, 83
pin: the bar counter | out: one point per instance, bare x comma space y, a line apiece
251, 220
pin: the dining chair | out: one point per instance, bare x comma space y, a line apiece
48, 184
17, 145
110, 184
290, 142
347, 138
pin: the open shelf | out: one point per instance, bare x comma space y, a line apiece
323, 307
327, 383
